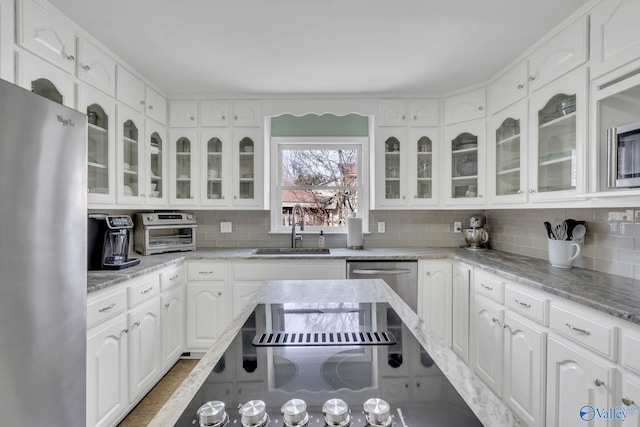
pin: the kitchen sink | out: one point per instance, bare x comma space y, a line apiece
291, 251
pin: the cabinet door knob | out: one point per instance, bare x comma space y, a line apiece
224, 117
403, 117
87, 68
219, 293
71, 57
142, 102
480, 108
628, 402
531, 78
235, 117
192, 118
521, 86
150, 107
415, 117
597, 382
519, 192
531, 190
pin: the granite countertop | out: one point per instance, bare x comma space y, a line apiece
488, 408
615, 295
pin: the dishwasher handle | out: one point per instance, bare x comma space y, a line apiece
394, 271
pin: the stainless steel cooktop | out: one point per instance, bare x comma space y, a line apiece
340, 364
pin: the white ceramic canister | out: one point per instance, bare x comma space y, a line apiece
561, 253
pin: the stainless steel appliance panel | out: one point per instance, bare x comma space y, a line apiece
43, 284
401, 276
623, 151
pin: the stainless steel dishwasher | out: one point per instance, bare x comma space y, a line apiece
401, 276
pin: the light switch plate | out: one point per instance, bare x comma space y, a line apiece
381, 227
226, 227
457, 227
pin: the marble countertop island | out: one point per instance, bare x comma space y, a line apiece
487, 407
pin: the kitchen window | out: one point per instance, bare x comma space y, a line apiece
326, 176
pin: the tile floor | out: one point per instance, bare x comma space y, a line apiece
144, 411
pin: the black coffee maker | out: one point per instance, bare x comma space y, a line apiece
108, 242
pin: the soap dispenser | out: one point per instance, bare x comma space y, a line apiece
321, 239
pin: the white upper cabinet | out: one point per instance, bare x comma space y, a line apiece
133, 92
424, 112
44, 79
464, 107
183, 114
96, 68
156, 106
464, 164
43, 34
130, 90
247, 113
510, 88
420, 112
615, 34
392, 112
566, 51
214, 113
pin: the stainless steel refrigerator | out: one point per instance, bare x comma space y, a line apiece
43, 277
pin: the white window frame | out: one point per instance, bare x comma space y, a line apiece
361, 144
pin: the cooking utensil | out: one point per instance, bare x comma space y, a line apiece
547, 225
560, 229
578, 232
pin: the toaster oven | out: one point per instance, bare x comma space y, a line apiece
158, 232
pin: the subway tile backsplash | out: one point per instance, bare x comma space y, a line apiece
612, 242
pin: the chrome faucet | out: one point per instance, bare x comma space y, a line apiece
295, 236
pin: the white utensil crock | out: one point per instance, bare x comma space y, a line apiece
561, 253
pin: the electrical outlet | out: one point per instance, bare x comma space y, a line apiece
226, 227
457, 227
381, 227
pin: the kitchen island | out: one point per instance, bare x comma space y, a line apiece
486, 406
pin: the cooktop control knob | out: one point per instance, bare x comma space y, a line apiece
212, 414
336, 413
378, 412
295, 413
254, 414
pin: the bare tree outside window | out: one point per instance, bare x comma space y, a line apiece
323, 181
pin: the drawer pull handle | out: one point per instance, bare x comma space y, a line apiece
628, 402
174, 277
146, 291
102, 310
573, 328
205, 272
597, 382
489, 288
524, 304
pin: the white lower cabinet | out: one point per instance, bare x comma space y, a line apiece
630, 398
523, 382
435, 296
173, 325
488, 338
579, 383
242, 294
107, 372
461, 288
207, 315
144, 347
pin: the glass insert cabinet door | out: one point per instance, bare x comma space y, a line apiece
246, 169
156, 167
423, 151
130, 165
557, 160
392, 168
98, 165
184, 179
464, 166
216, 169
508, 158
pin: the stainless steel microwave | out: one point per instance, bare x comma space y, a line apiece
623, 152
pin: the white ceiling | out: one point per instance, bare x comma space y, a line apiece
263, 47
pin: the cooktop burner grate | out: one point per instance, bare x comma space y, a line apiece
278, 339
